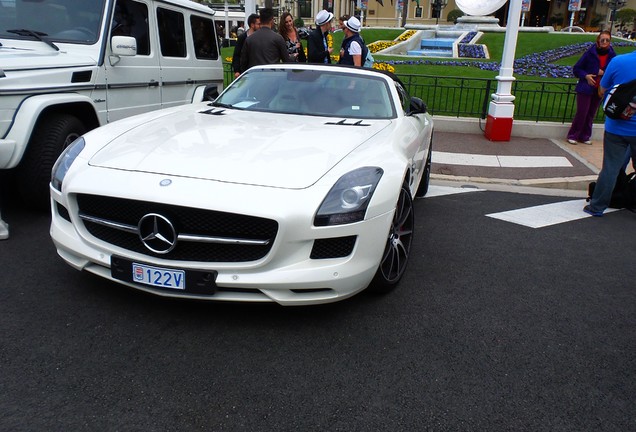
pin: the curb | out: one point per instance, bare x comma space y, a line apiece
578, 184
520, 128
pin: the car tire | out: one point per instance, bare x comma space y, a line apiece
422, 189
51, 135
398, 246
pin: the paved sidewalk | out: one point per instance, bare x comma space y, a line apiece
534, 162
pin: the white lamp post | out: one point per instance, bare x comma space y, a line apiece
501, 108
250, 8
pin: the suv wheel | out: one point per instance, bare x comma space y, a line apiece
51, 135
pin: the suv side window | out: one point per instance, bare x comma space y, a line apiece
131, 19
203, 37
171, 33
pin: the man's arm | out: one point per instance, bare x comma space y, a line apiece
236, 58
245, 60
356, 53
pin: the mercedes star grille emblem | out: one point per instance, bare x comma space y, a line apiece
157, 233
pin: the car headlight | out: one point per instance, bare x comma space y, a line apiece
348, 199
65, 161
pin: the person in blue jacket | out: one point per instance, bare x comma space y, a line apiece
589, 70
619, 137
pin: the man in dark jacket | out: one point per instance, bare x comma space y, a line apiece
265, 46
253, 23
318, 49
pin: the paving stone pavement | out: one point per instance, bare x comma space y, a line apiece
536, 162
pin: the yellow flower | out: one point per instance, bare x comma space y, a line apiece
380, 45
329, 41
406, 35
384, 67
228, 59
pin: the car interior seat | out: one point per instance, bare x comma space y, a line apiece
288, 102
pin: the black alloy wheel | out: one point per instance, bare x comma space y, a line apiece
398, 246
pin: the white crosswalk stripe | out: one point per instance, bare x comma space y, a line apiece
446, 158
434, 190
547, 214
534, 217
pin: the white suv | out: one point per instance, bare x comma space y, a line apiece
68, 66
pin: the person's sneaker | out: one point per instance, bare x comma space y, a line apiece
571, 141
4, 230
588, 142
589, 211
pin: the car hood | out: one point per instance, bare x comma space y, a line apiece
39, 56
274, 150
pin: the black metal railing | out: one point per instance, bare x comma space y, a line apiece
553, 101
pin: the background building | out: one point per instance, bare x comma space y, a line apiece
594, 15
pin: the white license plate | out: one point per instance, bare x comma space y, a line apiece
158, 277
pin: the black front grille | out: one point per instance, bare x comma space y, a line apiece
186, 220
337, 247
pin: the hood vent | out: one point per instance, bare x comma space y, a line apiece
343, 122
213, 111
83, 76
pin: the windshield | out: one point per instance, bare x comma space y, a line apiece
51, 20
310, 92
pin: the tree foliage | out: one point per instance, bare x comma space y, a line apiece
626, 16
453, 15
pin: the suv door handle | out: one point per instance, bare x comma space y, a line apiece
153, 84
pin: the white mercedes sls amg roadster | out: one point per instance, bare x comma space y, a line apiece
294, 186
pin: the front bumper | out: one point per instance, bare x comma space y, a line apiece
287, 275
7, 149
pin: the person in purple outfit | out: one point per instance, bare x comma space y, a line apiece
589, 70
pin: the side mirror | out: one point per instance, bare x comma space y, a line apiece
210, 93
124, 46
417, 106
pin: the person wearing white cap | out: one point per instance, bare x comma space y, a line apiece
318, 49
352, 50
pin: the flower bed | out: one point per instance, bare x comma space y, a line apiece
406, 35
376, 46
469, 36
471, 50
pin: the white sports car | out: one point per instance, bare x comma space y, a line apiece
294, 186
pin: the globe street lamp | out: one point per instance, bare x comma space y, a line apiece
437, 7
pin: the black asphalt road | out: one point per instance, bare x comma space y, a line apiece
495, 327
